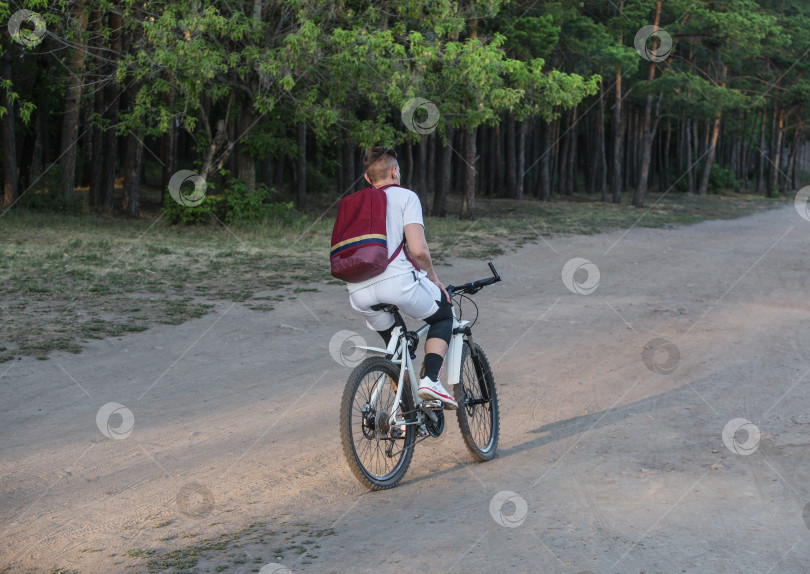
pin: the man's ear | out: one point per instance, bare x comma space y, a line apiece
367, 179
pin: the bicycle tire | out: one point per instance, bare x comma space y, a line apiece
479, 423
353, 425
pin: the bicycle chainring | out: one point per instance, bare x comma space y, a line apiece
435, 429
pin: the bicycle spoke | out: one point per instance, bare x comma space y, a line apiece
371, 452
479, 416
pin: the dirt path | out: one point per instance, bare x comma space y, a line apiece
621, 469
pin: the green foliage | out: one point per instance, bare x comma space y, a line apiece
721, 179
232, 205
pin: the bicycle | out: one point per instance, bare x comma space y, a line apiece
379, 419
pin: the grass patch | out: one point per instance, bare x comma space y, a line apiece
233, 549
66, 278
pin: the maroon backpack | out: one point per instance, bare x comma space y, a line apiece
359, 241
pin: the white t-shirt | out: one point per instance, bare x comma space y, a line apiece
402, 208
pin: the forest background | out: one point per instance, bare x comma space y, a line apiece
263, 105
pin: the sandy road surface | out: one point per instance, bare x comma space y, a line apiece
621, 469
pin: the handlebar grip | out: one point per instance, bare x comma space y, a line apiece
494, 272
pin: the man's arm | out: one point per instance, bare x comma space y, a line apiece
418, 248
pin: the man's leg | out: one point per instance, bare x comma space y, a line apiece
438, 339
386, 334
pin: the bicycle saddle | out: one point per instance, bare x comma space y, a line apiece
385, 307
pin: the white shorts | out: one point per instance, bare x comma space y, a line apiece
415, 296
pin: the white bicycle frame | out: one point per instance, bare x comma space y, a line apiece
400, 357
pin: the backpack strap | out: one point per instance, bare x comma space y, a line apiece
408, 257
394, 256
402, 244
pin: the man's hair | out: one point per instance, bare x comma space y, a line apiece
378, 161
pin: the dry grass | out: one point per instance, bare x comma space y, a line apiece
65, 279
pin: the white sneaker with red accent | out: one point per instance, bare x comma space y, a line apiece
431, 391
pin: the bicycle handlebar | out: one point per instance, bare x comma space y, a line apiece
475, 286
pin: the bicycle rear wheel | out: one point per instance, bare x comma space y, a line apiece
477, 404
377, 457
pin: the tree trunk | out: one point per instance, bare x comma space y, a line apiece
665, 158
776, 167
744, 151
531, 185
301, 198
761, 162
562, 186
433, 174
132, 174
545, 164
483, 147
422, 186
37, 157
458, 164
491, 158
468, 197
591, 164
511, 163
690, 172
521, 158
618, 133
602, 180
9, 145
409, 159
796, 168
709, 158
97, 158
649, 127
500, 176
70, 121
572, 153
97, 133
112, 95
168, 152
791, 165
771, 177
245, 164
440, 197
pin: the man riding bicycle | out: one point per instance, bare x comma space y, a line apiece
409, 282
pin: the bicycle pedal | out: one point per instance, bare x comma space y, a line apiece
433, 404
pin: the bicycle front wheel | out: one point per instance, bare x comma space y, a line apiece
378, 455
477, 404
